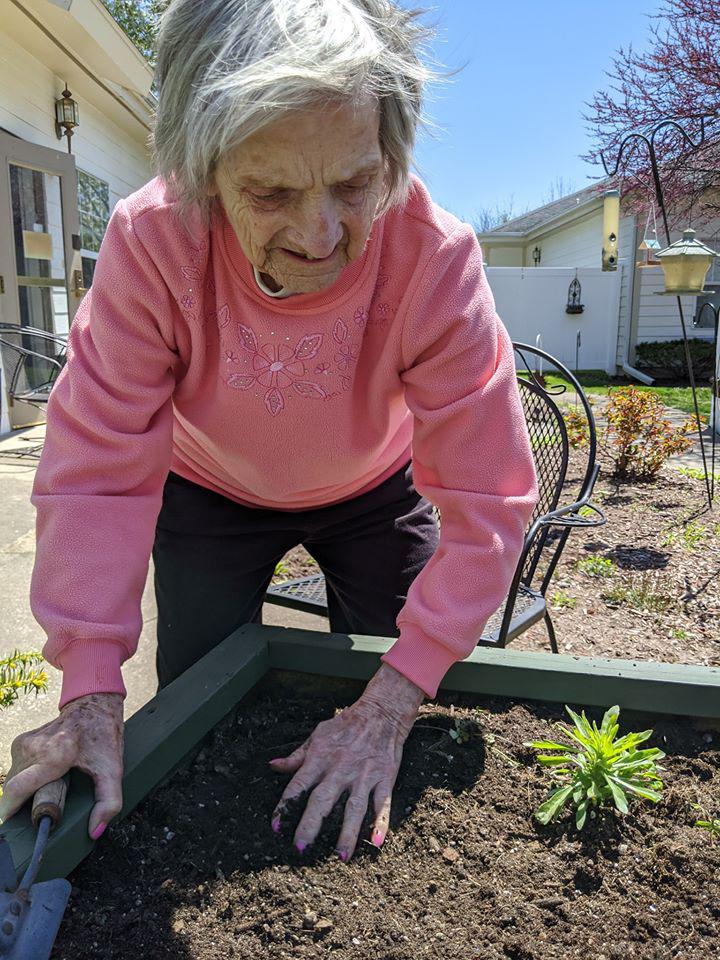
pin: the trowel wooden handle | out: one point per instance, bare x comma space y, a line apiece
49, 801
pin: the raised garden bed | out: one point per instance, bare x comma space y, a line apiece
467, 871
196, 872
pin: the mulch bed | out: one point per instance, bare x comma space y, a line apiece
659, 601
466, 872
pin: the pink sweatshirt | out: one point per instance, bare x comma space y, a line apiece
178, 361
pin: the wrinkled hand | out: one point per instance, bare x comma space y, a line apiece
88, 734
358, 751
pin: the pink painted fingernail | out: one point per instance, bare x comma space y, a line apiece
377, 838
276, 824
276, 759
343, 854
300, 847
98, 831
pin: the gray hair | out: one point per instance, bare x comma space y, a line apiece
227, 68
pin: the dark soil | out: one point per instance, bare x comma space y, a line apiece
660, 597
466, 872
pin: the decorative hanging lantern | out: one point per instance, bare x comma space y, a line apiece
574, 292
611, 228
649, 245
685, 264
67, 116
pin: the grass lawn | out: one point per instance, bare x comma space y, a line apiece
597, 382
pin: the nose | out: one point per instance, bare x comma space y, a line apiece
319, 229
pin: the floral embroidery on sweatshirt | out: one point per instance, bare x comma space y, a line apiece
278, 368
348, 353
195, 277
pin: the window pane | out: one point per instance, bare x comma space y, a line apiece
88, 269
94, 207
37, 223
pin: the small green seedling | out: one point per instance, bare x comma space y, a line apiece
712, 823
694, 534
465, 729
600, 768
21, 673
596, 566
282, 569
563, 600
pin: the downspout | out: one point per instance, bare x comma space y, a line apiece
630, 330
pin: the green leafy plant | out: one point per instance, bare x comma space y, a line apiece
679, 634
694, 534
596, 566
645, 594
697, 474
711, 823
563, 601
21, 673
600, 769
668, 539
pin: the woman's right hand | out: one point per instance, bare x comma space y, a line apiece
88, 734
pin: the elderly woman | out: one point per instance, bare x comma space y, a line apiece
286, 342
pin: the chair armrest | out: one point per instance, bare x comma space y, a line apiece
571, 517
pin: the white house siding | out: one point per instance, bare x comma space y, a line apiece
28, 91
658, 316
577, 245
532, 301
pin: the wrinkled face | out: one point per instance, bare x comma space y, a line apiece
302, 193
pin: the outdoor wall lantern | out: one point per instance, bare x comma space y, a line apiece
67, 116
685, 264
574, 292
611, 228
537, 253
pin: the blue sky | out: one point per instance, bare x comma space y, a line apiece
510, 121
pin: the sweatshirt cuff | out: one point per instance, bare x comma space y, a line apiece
91, 667
422, 660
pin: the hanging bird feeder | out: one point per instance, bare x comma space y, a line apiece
650, 245
685, 264
611, 229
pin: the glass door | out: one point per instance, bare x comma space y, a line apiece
40, 266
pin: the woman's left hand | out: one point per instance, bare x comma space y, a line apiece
359, 750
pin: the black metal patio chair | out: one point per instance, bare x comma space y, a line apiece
564, 503
32, 359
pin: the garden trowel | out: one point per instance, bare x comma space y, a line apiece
30, 914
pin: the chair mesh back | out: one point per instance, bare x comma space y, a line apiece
549, 442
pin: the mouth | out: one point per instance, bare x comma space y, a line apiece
303, 258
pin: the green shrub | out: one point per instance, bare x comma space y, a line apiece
638, 438
668, 357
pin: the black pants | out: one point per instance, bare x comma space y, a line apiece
214, 560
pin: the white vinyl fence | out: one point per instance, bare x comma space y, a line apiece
532, 301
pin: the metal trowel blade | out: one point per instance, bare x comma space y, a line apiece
40, 921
